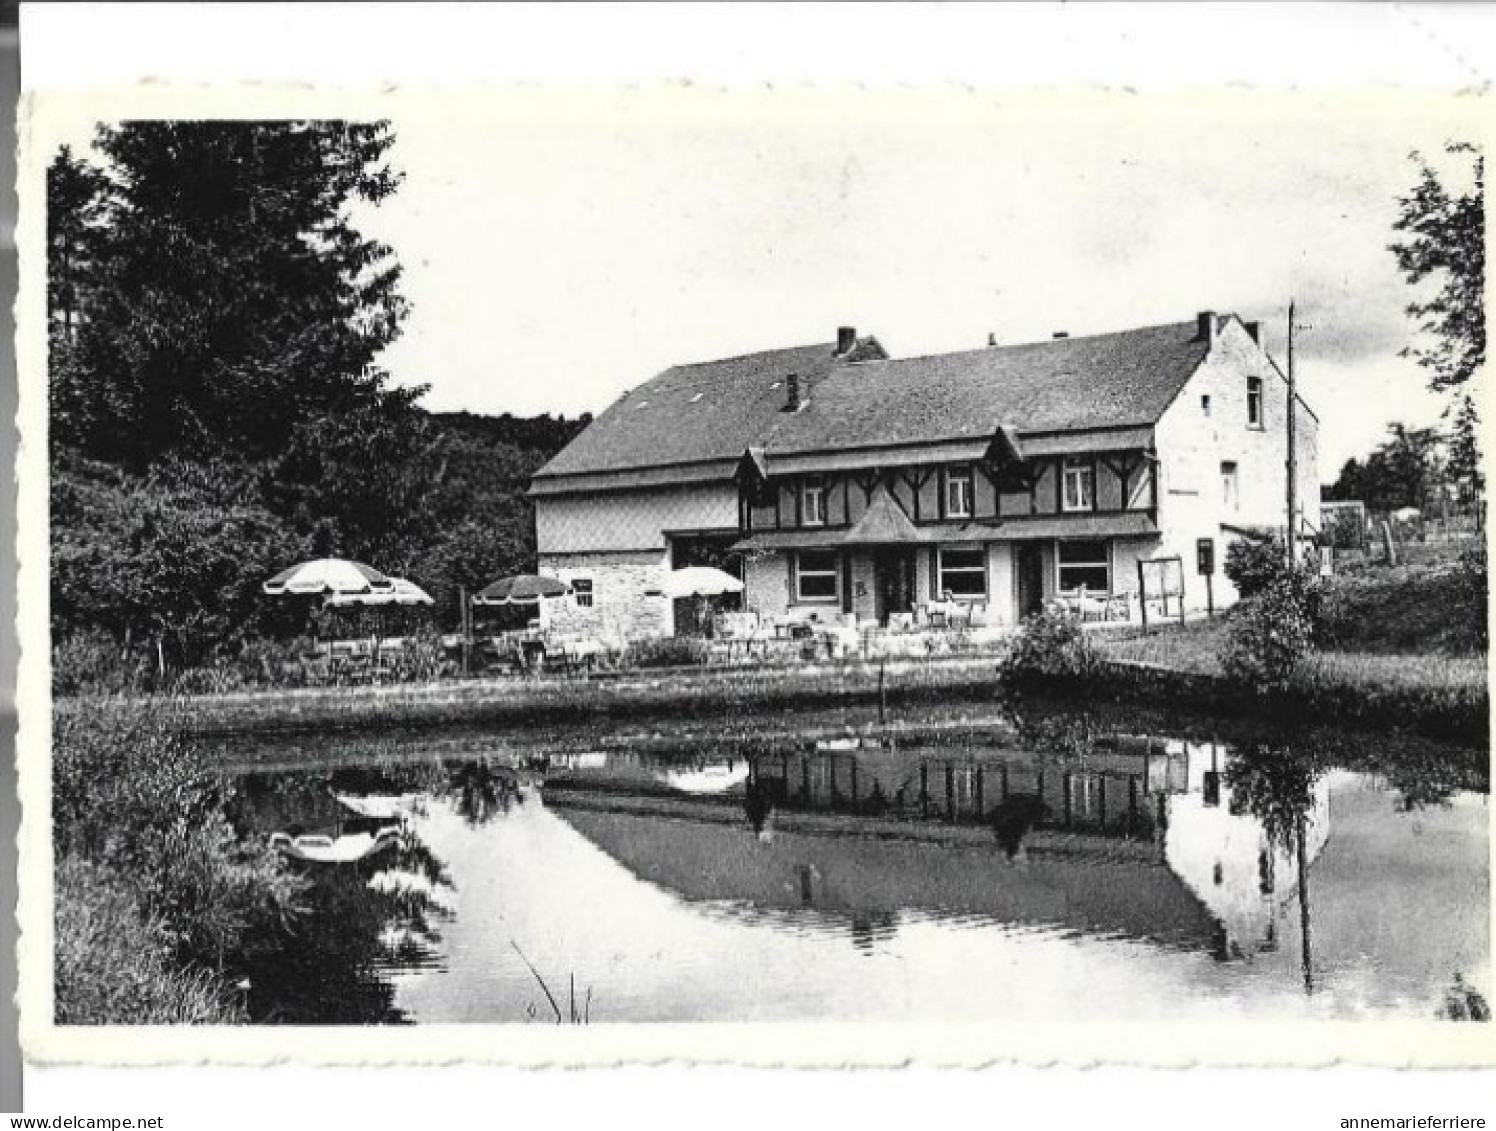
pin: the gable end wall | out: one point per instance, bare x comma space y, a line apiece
1193, 445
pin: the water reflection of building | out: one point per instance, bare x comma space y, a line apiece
1135, 836
1224, 854
869, 884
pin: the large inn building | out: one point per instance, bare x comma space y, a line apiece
835, 479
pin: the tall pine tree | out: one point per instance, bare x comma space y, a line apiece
228, 297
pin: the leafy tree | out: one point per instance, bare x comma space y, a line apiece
360, 483
176, 556
1442, 240
229, 297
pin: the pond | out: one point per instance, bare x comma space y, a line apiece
1034, 863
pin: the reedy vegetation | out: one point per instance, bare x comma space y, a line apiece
158, 899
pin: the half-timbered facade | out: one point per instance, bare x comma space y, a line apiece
838, 481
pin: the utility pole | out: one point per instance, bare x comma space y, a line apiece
1293, 462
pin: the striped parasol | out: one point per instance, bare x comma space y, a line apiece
521, 589
328, 577
401, 592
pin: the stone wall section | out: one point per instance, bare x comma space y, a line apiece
622, 608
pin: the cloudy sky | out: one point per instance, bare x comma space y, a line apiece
559, 252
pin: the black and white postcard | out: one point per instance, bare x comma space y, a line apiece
569, 574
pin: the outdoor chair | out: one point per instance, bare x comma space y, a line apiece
316, 669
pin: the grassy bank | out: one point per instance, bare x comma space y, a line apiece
1401, 648
714, 694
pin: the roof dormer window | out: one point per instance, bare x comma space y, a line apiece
958, 491
813, 503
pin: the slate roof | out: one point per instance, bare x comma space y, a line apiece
703, 412
716, 410
884, 522
1107, 381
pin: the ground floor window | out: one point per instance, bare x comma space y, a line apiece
1085, 565
962, 572
581, 589
817, 576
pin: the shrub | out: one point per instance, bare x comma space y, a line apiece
1254, 565
92, 662
1050, 644
1473, 583
423, 660
665, 652
1268, 635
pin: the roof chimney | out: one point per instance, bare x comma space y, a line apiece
1255, 329
791, 393
846, 338
1058, 334
992, 339
1206, 323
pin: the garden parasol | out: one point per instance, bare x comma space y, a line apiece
698, 581
400, 592
328, 577
521, 589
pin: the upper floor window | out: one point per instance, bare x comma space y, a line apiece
1254, 402
813, 503
1080, 486
1229, 492
1205, 404
581, 590
958, 488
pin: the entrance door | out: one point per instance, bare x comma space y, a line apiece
1030, 578
893, 582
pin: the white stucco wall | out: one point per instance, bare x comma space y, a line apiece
1193, 444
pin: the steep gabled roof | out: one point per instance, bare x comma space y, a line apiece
714, 412
1107, 381
700, 413
883, 523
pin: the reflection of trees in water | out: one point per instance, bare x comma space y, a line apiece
363, 919
1422, 771
759, 801
872, 927
1463, 1002
1014, 817
1274, 783
480, 790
